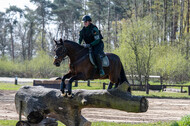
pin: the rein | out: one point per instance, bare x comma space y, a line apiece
78, 52
77, 61
80, 59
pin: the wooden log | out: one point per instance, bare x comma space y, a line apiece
39, 102
48, 83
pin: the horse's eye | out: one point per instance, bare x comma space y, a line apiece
55, 57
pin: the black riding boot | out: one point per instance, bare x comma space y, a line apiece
99, 65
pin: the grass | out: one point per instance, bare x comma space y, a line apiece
99, 86
11, 87
153, 94
13, 123
93, 86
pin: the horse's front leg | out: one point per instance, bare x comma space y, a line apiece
76, 77
62, 87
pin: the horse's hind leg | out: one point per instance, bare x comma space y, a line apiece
110, 85
116, 85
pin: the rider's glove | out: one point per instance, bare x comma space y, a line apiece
86, 45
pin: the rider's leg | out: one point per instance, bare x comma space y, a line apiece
99, 64
62, 86
97, 50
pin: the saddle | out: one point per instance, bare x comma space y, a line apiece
105, 60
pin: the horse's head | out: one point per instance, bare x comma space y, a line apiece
60, 52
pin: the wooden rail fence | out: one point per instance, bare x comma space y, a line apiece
147, 88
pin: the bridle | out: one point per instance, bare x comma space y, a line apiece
62, 54
65, 51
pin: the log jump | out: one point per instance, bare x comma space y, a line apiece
39, 102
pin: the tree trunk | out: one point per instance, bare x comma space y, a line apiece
150, 7
45, 101
99, 18
188, 12
187, 45
23, 43
165, 20
43, 31
12, 43
174, 22
43, 24
30, 41
116, 44
181, 19
136, 9
108, 31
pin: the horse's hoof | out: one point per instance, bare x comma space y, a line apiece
64, 94
70, 95
22, 123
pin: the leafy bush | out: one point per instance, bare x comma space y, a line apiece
41, 66
185, 121
142, 54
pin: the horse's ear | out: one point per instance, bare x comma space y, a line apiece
55, 41
61, 40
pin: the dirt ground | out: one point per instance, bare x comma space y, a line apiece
159, 110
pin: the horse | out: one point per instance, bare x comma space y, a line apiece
82, 69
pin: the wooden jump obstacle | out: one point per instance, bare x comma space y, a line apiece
39, 103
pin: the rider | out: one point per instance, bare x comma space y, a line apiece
92, 38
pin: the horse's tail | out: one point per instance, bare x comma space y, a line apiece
123, 77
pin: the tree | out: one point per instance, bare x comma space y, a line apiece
30, 23
68, 20
138, 47
181, 18
3, 34
187, 42
12, 21
174, 21
43, 12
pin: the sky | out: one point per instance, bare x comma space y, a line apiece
19, 3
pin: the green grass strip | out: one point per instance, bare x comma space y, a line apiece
13, 123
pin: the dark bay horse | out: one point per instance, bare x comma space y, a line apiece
81, 67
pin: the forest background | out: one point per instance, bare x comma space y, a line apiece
150, 36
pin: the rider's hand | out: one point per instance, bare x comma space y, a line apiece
86, 45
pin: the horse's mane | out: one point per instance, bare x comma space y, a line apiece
78, 46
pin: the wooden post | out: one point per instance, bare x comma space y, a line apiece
16, 80
88, 83
76, 83
188, 90
181, 89
104, 85
147, 88
161, 80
